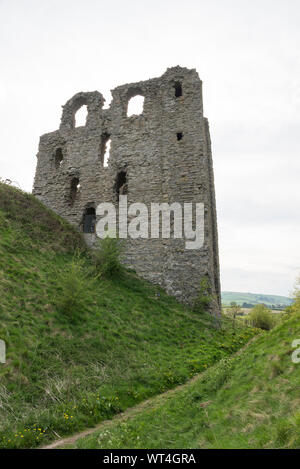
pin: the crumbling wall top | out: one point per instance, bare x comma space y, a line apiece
94, 102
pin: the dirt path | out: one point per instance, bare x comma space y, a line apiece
132, 411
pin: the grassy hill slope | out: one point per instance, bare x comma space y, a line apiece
127, 342
250, 400
254, 299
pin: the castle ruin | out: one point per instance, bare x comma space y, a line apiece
161, 155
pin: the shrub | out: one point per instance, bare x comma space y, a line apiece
261, 317
73, 295
106, 256
234, 311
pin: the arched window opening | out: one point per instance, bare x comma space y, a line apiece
105, 149
178, 89
135, 105
179, 135
81, 116
121, 186
58, 158
75, 188
89, 220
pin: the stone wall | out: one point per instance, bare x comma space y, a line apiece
158, 167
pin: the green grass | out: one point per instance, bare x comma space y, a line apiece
250, 400
71, 365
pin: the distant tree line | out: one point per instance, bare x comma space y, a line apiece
276, 307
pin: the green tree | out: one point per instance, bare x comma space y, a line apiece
234, 311
261, 317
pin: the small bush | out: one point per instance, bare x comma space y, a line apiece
72, 297
261, 317
106, 256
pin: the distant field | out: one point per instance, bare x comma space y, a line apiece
254, 299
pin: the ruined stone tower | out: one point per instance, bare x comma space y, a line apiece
161, 155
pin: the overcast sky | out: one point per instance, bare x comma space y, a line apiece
248, 56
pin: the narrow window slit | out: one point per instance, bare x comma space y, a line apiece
121, 186
58, 158
75, 188
105, 149
178, 89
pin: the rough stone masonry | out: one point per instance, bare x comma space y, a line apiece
161, 155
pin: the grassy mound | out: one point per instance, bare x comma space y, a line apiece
250, 400
127, 341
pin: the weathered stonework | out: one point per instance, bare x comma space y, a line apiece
158, 168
